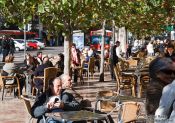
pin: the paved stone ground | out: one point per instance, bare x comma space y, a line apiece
12, 110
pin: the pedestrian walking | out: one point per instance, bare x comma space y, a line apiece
12, 47
5, 48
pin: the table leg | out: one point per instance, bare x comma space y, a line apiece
138, 87
28, 85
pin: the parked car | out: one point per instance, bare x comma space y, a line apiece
40, 45
32, 45
19, 45
20, 42
39, 39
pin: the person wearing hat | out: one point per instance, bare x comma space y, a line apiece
160, 95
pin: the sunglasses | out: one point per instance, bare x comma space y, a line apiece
168, 72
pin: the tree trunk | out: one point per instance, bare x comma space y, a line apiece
101, 79
113, 31
67, 59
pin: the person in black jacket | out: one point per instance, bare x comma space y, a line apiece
52, 101
39, 71
12, 46
5, 48
60, 63
69, 95
170, 52
113, 59
68, 90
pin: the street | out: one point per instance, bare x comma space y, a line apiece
19, 56
88, 91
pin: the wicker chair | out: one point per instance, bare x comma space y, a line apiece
27, 104
132, 63
90, 67
149, 59
124, 81
49, 73
7, 82
105, 106
144, 81
129, 111
80, 72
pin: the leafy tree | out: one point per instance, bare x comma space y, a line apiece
66, 15
141, 17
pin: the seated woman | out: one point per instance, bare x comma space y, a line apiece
60, 63
75, 61
11, 69
30, 63
162, 75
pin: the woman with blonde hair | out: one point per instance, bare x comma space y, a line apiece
11, 69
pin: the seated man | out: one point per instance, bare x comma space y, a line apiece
73, 98
67, 90
51, 101
165, 112
160, 91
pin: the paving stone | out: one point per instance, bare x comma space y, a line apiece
12, 109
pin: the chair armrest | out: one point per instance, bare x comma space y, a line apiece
25, 97
38, 77
8, 77
28, 97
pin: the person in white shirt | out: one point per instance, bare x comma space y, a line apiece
150, 49
118, 49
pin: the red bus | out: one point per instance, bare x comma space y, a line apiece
18, 34
96, 37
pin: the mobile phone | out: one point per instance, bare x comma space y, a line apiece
56, 100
